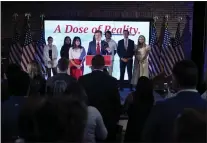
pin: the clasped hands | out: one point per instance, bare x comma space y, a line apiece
125, 59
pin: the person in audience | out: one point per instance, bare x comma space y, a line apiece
18, 85
37, 82
65, 48
77, 55
103, 94
190, 126
61, 79
159, 126
53, 119
95, 128
140, 104
204, 95
50, 57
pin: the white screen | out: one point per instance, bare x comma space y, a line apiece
85, 29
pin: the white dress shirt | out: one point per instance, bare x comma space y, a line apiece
112, 46
126, 43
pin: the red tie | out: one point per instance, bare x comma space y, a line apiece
98, 49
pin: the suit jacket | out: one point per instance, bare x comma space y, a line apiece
54, 56
159, 126
122, 52
102, 91
92, 48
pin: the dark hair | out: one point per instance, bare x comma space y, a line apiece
144, 90
98, 62
65, 40
74, 40
49, 38
190, 126
186, 73
94, 39
63, 64
126, 31
109, 32
53, 119
98, 31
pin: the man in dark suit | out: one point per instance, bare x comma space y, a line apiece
125, 51
98, 46
103, 93
160, 124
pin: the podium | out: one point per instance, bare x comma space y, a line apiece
107, 59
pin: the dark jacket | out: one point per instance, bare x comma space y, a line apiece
92, 48
160, 124
122, 52
102, 91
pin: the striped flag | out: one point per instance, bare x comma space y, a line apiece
177, 45
154, 55
167, 53
28, 50
15, 49
40, 48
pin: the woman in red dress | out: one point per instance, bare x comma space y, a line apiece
77, 55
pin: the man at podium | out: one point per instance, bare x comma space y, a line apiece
98, 46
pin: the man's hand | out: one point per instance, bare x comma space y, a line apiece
108, 49
124, 60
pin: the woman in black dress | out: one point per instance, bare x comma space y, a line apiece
64, 52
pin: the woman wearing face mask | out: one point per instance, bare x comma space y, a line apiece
65, 48
50, 57
77, 55
141, 60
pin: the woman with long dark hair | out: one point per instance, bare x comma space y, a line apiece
65, 48
140, 104
77, 55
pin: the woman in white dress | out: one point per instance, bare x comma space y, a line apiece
141, 60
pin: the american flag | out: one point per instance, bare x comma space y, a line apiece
40, 48
154, 55
16, 49
167, 53
28, 50
177, 44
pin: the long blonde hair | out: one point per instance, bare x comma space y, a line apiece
33, 69
144, 44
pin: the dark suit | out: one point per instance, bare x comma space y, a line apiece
92, 48
159, 126
123, 53
103, 93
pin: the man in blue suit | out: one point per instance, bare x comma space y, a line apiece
160, 124
98, 46
125, 50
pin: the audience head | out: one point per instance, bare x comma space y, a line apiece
98, 62
126, 34
63, 65
50, 40
53, 119
141, 40
34, 69
108, 34
67, 41
144, 89
190, 126
185, 75
76, 42
98, 35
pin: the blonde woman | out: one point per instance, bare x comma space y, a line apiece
141, 60
37, 82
